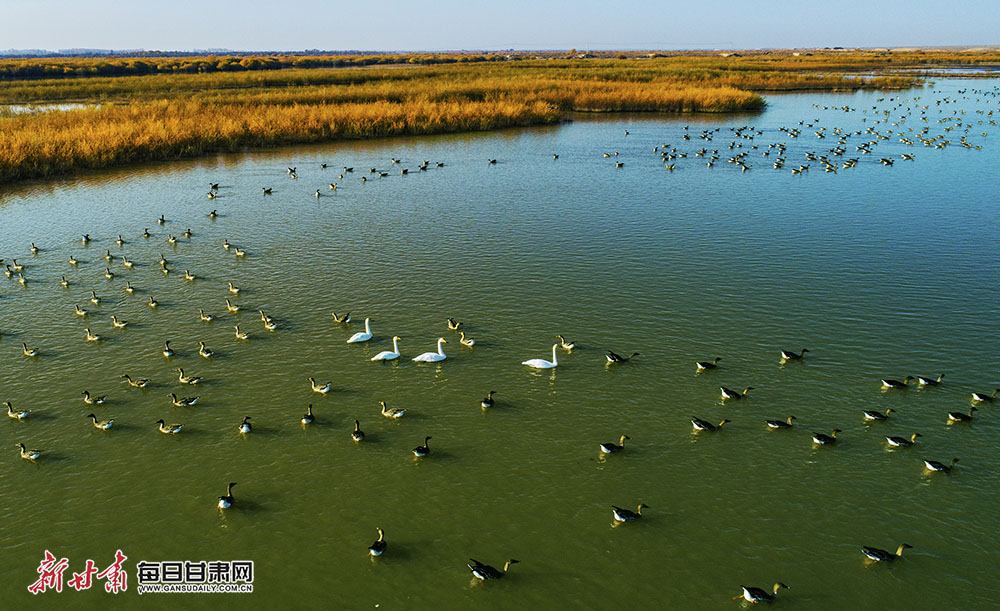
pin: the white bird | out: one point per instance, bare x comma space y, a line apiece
433, 357
388, 355
362, 336
542, 363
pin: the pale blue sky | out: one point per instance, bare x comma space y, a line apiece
497, 24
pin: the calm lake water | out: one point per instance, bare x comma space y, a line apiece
879, 271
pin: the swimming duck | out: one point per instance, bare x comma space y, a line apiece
167, 350
232, 308
341, 319
612, 447
378, 547
433, 357
903, 442
28, 352
120, 241
791, 356
483, 572
183, 379
308, 417
780, 424
872, 415
960, 417
245, 426
821, 439
104, 425
81, 312
542, 363
617, 358
26, 454
95, 299
567, 346
92, 400
108, 256
205, 317
225, 502
756, 595
240, 334
226, 244
703, 365
137, 383
983, 397
488, 399
118, 324
453, 325
362, 336
212, 215
91, 337
152, 302
388, 355
145, 233
187, 232
34, 249
189, 276
734, 394
392, 412
881, 555
424, 450
624, 515
934, 465
72, 260
239, 252
129, 288
204, 352
16, 415
171, 239
359, 435
929, 381
703, 425
108, 274
321, 389
233, 289
185, 402
887, 383
64, 282
467, 341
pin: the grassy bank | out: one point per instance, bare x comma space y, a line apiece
169, 114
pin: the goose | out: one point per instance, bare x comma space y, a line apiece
960, 417
317, 194
378, 547
16, 415
22, 280
933, 465
982, 397
823, 440
703, 365
321, 389
73, 260
308, 417
542, 363
232, 308
567, 346
64, 282
167, 350
362, 336
233, 289
270, 325
214, 186
152, 302
483, 572
624, 515
346, 318
93, 400
703, 425
129, 288
333, 186
424, 450
104, 425
903, 442
127, 263
163, 261
267, 190
881, 555
213, 214
189, 276
791, 356
245, 426
120, 241
433, 357
184, 402
240, 334
80, 311
118, 324
734, 394
873, 415
617, 358
611, 447
27, 454
264, 317
887, 383
108, 256
92, 337
145, 233
453, 325
467, 341
388, 355
108, 274
929, 381
226, 244
392, 412
239, 252
210, 195
183, 379
85, 239
8, 271
17, 267
358, 434
756, 595
34, 249
171, 239
95, 299
225, 502
28, 352
488, 399
780, 424
205, 317
137, 383
204, 352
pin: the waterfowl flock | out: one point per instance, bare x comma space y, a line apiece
138, 266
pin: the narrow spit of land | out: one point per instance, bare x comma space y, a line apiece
170, 108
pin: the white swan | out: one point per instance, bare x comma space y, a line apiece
362, 336
542, 363
433, 357
388, 355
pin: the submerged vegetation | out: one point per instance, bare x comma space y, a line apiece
166, 108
